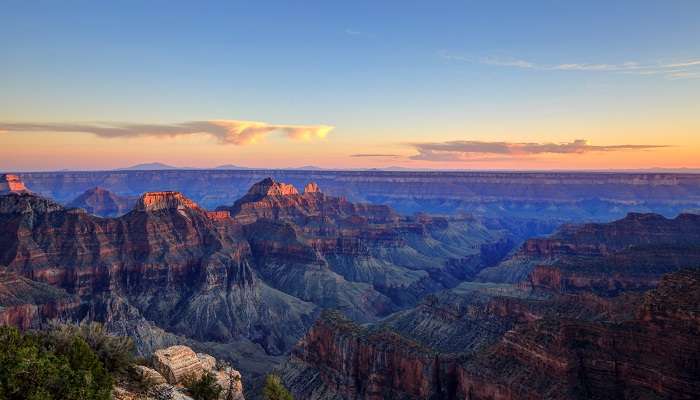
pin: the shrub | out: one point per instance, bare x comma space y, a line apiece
275, 390
204, 388
31, 370
115, 352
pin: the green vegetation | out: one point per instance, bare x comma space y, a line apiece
115, 352
204, 388
275, 390
34, 367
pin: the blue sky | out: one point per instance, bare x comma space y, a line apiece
384, 74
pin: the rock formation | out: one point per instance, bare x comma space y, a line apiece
102, 202
177, 363
150, 375
180, 363
255, 275
628, 254
10, 183
560, 347
311, 187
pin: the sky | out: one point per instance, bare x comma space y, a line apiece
518, 85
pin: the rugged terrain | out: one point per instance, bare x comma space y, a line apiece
628, 254
244, 282
581, 317
357, 301
509, 345
542, 196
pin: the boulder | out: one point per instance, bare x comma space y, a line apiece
176, 363
150, 374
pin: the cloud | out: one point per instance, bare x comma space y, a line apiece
671, 70
472, 150
374, 155
354, 32
224, 131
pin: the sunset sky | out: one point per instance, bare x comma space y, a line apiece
419, 84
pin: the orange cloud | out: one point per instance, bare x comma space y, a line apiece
225, 131
472, 150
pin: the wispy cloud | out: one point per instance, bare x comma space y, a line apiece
233, 132
472, 150
374, 155
355, 32
671, 70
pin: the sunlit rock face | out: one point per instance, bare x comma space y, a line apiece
311, 187
155, 201
10, 183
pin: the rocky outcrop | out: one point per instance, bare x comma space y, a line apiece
180, 363
10, 183
269, 199
155, 201
149, 375
102, 202
311, 187
177, 363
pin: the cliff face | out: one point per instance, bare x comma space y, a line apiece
651, 356
103, 203
27, 304
166, 261
355, 363
629, 254
394, 260
570, 347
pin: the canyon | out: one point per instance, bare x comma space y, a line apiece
348, 299
594, 311
244, 282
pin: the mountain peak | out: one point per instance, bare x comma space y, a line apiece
153, 166
270, 187
10, 183
312, 187
154, 201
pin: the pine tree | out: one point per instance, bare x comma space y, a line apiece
275, 390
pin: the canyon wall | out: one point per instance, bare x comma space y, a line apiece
569, 196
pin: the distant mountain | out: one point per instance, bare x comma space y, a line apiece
230, 166
309, 168
154, 166
102, 202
